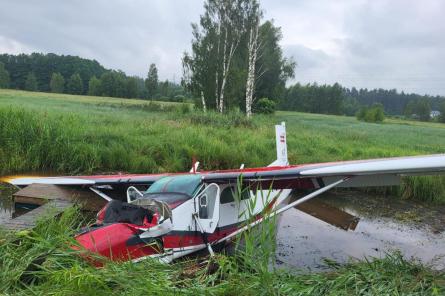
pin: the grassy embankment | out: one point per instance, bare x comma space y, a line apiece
69, 134
41, 262
66, 134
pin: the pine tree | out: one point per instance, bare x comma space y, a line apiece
31, 82
151, 83
57, 83
75, 85
4, 76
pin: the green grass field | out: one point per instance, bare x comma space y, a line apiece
65, 134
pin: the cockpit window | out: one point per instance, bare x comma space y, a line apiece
186, 184
228, 194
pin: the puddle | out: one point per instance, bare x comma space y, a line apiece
386, 224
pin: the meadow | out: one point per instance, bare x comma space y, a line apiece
45, 133
62, 134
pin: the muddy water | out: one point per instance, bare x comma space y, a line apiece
386, 224
6, 209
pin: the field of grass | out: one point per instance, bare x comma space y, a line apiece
63, 134
66, 134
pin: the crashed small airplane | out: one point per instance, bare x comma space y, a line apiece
167, 216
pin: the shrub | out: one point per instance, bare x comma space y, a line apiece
185, 108
227, 120
374, 113
265, 106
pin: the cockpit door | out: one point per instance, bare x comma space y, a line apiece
207, 207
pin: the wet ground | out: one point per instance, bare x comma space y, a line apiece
386, 224
5, 202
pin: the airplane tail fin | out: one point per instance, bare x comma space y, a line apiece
281, 142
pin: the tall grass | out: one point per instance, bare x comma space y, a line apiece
42, 262
65, 134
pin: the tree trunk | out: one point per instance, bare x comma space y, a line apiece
253, 52
217, 68
223, 83
226, 68
203, 101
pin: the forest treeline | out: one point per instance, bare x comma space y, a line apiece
235, 63
335, 99
75, 75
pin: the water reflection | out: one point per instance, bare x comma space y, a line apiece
6, 208
304, 241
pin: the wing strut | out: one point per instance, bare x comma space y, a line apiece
101, 194
283, 209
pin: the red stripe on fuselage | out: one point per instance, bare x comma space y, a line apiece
182, 239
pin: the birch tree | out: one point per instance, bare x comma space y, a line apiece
253, 47
229, 17
214, 45
233, 58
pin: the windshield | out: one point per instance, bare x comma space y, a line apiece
185, 184
172, 199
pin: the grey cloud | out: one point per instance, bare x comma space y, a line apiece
127, 35
387, 43
307, 58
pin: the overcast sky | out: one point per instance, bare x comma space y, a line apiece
377, 43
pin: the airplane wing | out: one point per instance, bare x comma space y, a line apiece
98, 180
362, 173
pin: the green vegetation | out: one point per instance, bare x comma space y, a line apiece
374, 113
265, 106
151, 83
442, 112
226, 65
324, 99
41, 262
57, 83
202, 71
419, 108
75, 75
31, 82
4, 76
335, 99
74, 85
66, 134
